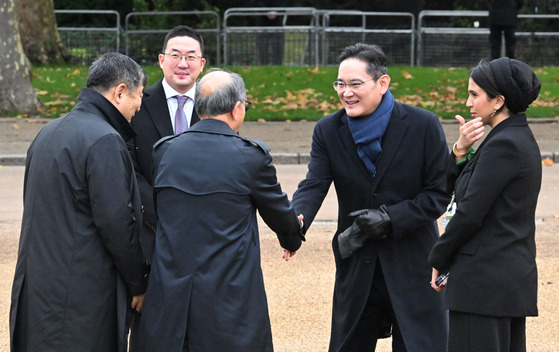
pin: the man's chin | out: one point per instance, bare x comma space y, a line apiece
353, 114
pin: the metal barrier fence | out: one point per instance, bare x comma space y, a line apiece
86, 43
392, 31
145, 33
307, 36
461, 38
292, 39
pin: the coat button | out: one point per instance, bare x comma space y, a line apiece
367, 260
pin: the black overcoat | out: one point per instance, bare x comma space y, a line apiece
79, 235
410, 182
206, 280
503, 12
489, 244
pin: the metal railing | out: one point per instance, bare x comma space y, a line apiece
461, 38
86, 43
294, 42
145, 33
394, 32
307, 36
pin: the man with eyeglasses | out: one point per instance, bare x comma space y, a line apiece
167, 109
387, 161
206, 291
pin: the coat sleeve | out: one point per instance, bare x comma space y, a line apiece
111, 183
311, 191
272, 203
496, 165
431, 200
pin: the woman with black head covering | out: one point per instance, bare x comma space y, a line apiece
488, 247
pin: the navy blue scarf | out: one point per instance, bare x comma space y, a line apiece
367, 132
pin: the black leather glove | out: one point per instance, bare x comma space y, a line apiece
376, 224
369, 224
351, 240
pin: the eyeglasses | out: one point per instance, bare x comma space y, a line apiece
176, 57
354, 85
247, 105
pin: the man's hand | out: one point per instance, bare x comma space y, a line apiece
374, 223
287, 255
138, 302
369, 224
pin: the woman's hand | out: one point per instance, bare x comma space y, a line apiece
434, 275
470, 132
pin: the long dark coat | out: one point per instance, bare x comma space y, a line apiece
206, 280
489, 244
503, 12
79, 237
151, 123
410, 182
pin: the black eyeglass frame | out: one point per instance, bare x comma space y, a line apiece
247, 104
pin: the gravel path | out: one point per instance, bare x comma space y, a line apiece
299, 291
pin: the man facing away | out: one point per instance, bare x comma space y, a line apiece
79, 254
206, 290
387, 161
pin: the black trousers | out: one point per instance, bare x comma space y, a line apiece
373, 323
495, 41
480, 333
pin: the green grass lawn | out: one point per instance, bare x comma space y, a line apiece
302, 93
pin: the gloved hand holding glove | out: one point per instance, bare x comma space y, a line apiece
369, 224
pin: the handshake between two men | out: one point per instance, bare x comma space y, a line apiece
369, 224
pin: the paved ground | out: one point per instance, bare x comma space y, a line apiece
299, 292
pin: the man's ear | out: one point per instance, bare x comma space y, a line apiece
384, 82
119, 90
237, 116
238, 109
114, 95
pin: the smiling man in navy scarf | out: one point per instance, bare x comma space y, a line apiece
387, 161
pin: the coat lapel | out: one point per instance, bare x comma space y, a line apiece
194, 118
349, 144
156, 104
391, 141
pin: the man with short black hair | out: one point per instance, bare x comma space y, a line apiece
167, 109
387, 161
79, 255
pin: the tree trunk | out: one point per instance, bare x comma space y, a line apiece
39, 32
16, 92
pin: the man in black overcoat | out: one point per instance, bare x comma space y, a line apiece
502, 20
206, 290
79, 253
387, 161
